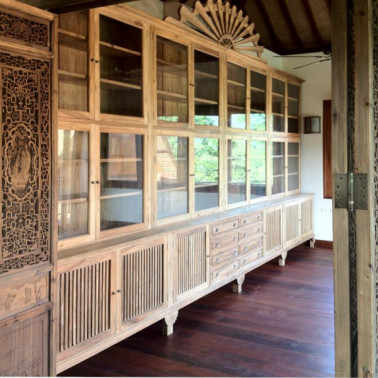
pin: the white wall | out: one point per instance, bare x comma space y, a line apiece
154, 8
315, 89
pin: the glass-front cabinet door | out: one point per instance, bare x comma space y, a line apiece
278, 167
257, 117
236, 96
73, 183
172, 81
172, 176
206, 173
121, 180
278, 105
121, 74
73, 61
258, 169
293, 108
293, 166
236, 171
206, 89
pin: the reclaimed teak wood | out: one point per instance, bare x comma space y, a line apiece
178, 163
26, 260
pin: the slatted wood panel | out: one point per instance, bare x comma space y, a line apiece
291, 222
84, 297
306, 217
273, 229
191, 260
142, 281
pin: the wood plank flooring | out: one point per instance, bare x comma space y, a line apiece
280, 325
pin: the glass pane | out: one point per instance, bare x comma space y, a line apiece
258, 168
121, 189
172, 81
236, 96
278, 123
278, 104
73, 61
293, 125
236, 170
258, 81
278, 86
121, 68
206, 89
293, 166
278, 171
73, 183
172, 176
206, 153
293, 108
293, 91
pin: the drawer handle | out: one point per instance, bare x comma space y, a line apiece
217, 260
235, 253
217, 275
245, 248
244, 261
235, 266
245, 234
217, 245
234, 225
235, 238
258, 217
244, 221
216, 230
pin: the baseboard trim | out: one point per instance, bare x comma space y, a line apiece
324, 244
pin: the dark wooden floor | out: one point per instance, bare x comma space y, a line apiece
281, 325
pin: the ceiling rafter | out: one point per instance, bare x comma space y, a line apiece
272, 34
290, 23
314, 26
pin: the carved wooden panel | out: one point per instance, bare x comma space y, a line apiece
84, 300
191, 260
24, 346
25, 161
142, 280
23, 294
23, 29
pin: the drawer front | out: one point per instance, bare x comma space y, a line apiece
224, 241
250, 258
225, 226
225, 272
251, 231
250, 245
224, 258
251, 218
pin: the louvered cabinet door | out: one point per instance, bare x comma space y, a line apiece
307, 216
291, 223
141, 281
86, 297
273, 227
191, 261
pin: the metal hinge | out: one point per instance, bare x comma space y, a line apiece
351, 191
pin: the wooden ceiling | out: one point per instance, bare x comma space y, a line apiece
285, 26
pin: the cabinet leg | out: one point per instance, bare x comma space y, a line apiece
281, 261
312, 243
237, 287
168, 323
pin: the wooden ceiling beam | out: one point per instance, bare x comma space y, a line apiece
313, 25
290, 23
269, 26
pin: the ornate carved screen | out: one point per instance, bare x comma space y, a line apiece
25, 161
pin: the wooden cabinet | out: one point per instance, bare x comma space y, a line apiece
273, 230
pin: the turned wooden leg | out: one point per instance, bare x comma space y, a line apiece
168, 322
312, 243
281, 261
237, 287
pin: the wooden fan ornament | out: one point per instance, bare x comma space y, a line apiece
221, 23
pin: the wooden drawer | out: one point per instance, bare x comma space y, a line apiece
225, 226
251, 218
225, 241
250, 245
250, 258
251, 231
225, 271
221, 259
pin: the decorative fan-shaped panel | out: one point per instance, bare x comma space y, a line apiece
221, 23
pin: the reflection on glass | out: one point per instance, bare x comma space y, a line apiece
257, 164
206, 153
278, 164
258, 102
120, 68
293, 166
121, 189
172, 81
73, 183
236, 96
206, 89
236, 171
172, 176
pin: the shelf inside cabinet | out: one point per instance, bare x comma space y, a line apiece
68, 33
235, 83
120, 195
204, 75
257, 111
171, 95
72, 75
114, 85
236, 107
206, 102
116, 51
73, 200
120, 160
293, 174
254, 89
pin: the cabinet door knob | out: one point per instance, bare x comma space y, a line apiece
119, 291
114, 293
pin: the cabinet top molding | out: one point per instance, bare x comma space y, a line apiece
221, 23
